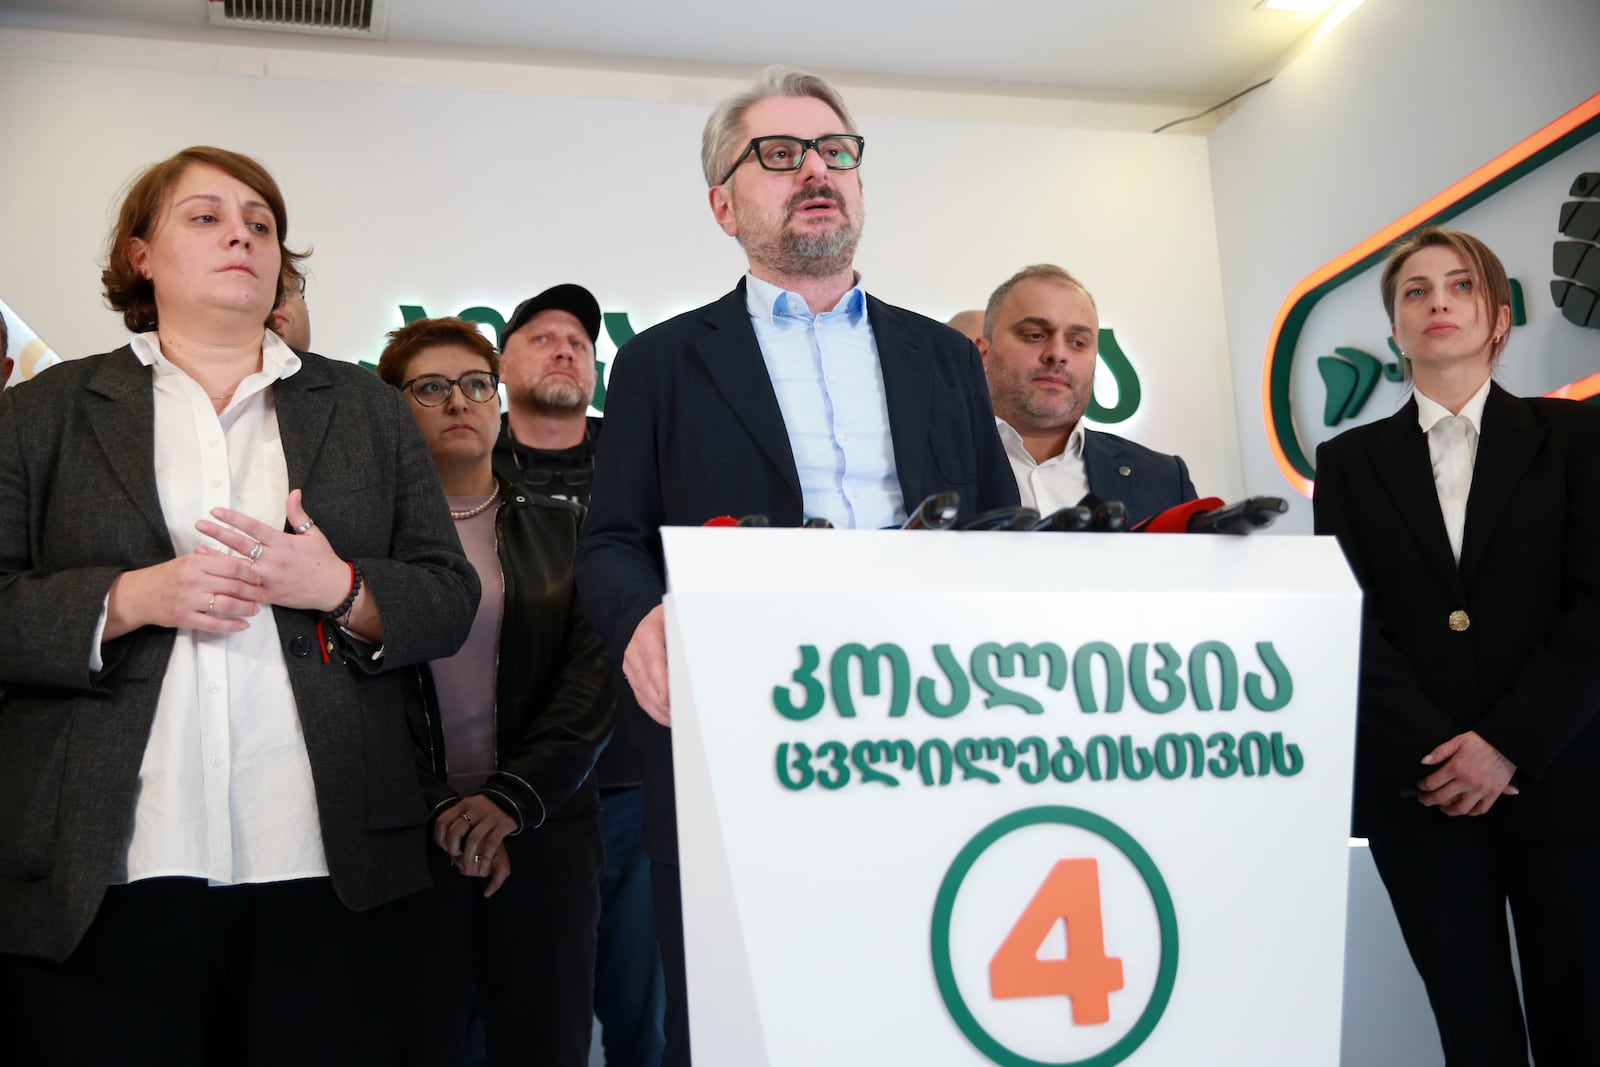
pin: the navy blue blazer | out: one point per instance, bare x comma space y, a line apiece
693, 431
1147, 481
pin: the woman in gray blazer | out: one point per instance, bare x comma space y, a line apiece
215, 552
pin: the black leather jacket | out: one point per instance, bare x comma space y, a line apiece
553, 708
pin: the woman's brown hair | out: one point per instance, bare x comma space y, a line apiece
132, 293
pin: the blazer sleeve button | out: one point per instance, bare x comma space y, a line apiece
299, 646
1459, 620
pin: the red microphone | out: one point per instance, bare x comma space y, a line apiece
1176, 519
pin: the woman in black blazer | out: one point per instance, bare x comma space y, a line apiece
1471, 518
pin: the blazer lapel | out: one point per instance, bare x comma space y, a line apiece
1100, 467
305, 406
908, 389
1399, 456
123, 422
732, 357
1507, 445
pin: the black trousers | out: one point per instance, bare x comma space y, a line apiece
668, 896
1450, 885
176, 973
527, 954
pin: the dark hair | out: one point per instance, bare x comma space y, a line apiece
132, 293
1038, 272
1490, 284
413, 337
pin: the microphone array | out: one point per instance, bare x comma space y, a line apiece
942, 511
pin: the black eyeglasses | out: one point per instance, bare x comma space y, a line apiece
840, 151
431, 390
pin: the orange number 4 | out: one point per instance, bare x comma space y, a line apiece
1071, 894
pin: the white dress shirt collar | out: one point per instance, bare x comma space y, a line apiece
1430, 411
1019, 450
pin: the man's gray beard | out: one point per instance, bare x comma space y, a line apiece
808, 255
557, 398
816, 255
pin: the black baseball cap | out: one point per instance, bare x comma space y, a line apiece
575, 300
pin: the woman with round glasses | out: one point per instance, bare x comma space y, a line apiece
524, 710
214, 554
1471, 518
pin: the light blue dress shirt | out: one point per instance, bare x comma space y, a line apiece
825, 372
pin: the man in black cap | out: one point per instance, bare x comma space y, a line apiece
547, 365
547, 443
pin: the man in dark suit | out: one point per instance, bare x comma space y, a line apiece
794, 396
1041, 334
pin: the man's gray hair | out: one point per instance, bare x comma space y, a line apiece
1044, 271
724, 138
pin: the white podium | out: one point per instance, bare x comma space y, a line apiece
1020, 799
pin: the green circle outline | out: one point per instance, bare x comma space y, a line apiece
944, 905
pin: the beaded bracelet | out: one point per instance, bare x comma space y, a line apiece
348, 602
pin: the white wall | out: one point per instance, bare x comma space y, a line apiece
448, 184
1406, 97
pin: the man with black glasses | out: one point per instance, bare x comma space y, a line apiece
795, 396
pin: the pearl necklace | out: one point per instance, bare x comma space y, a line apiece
481, 508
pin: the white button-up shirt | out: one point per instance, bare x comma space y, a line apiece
1453, 448
825, 372
225, 790
1059, 482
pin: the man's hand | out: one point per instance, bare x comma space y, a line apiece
644, 665
1472, 777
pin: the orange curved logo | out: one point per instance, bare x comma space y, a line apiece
1525, 156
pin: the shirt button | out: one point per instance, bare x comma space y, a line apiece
216, 483
844, 436
211, 444
213, 688
831, 379
216, 761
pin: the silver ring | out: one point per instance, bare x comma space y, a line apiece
467, 817
476, 858
255, 552
304, 526
211, 604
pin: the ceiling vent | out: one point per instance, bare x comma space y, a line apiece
339, 18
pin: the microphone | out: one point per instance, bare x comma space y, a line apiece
754, 520
816, 522
1109, 516
1176, 519
937, 512
1209, 515
1247, 516
721, 520
1013, 518
1066, 519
